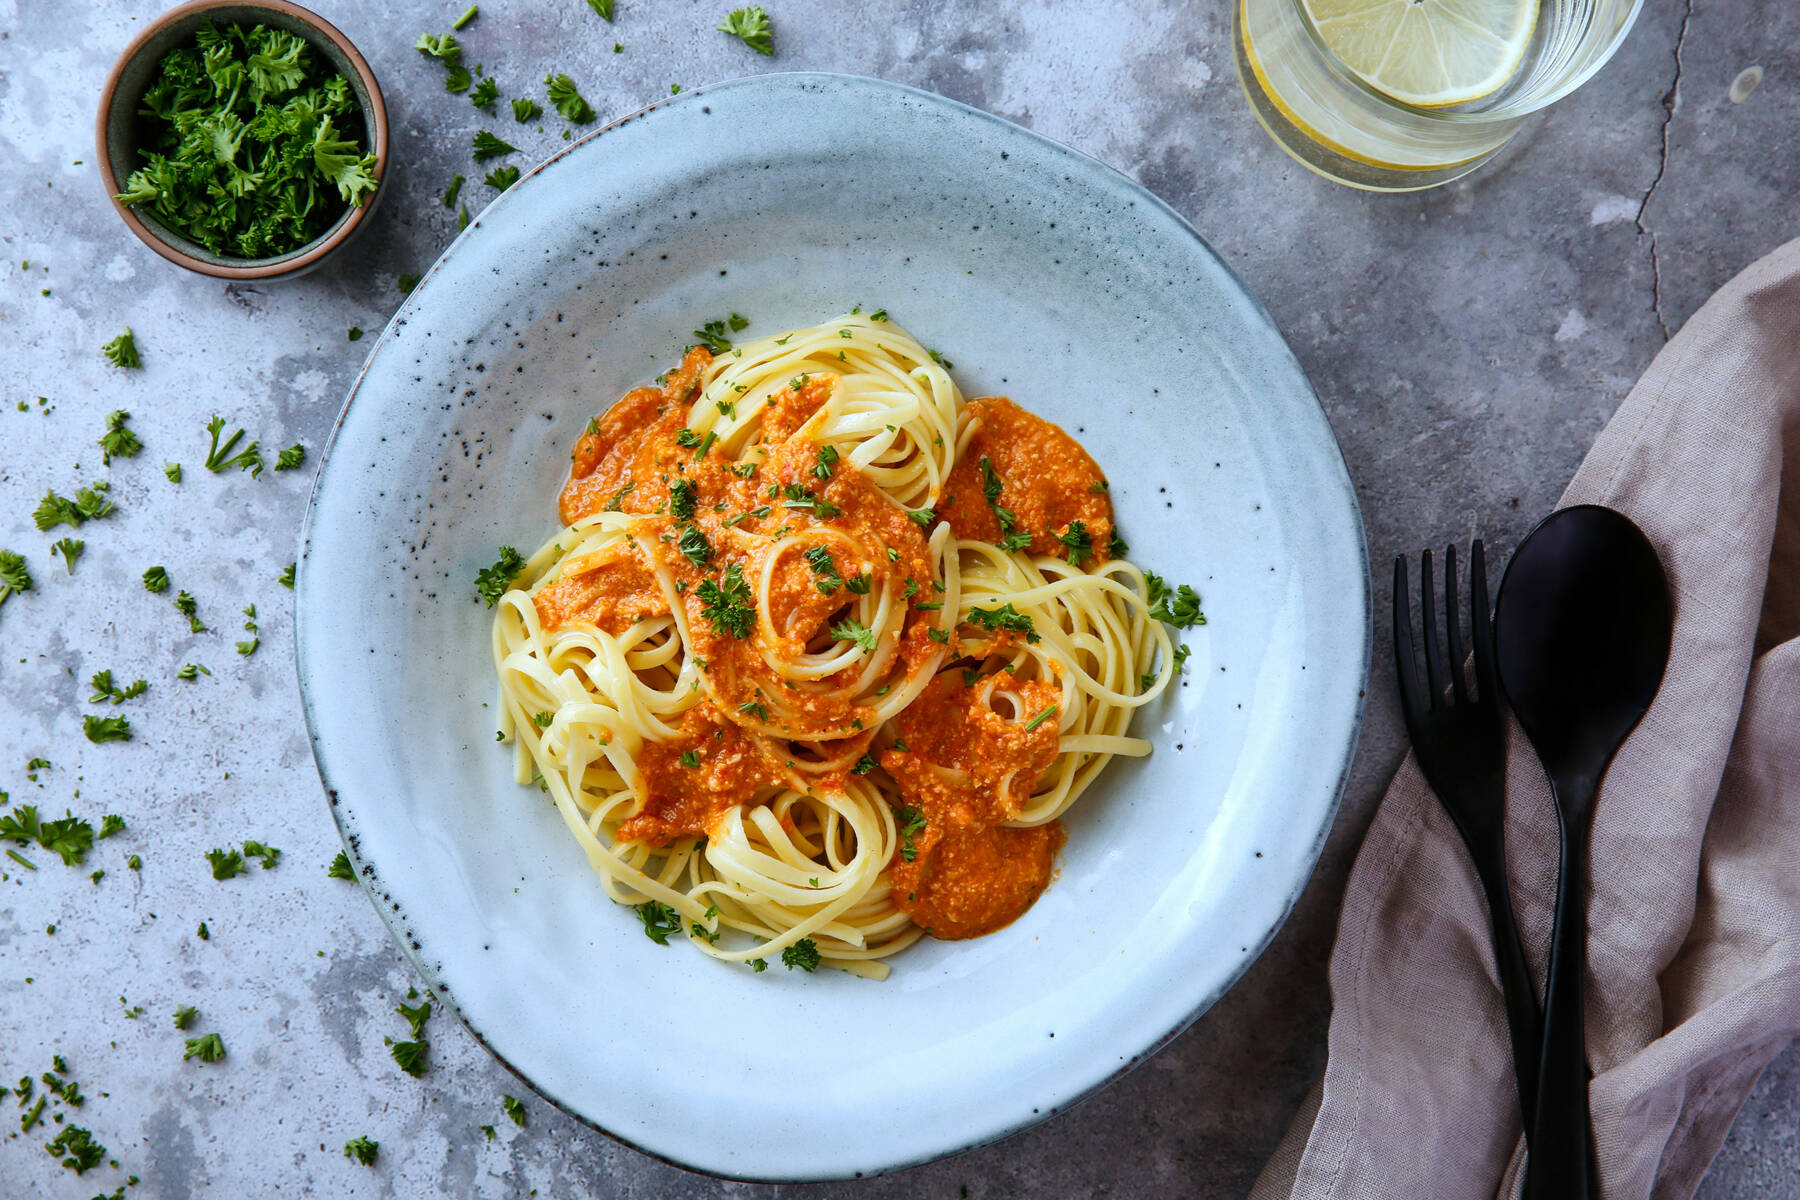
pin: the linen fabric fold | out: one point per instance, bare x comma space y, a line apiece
1693, 981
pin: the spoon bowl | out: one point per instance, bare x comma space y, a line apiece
1582, 629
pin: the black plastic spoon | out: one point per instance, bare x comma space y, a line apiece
1582, 628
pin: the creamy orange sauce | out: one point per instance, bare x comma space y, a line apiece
961, 754
1047, 484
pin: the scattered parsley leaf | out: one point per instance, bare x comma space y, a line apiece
502, 178
474, 10
485, 94
491, 583
410, 1055
117, 439
450, 194
185, 1015
659, 921
122, 351
525, 109
728, 604
77, 1148
286, 578
1177, 606
850, 630
513, 1109
218, 458
362, 1149
173, 469
406, 283
604, 8
70, 549
803, 954
192, 671
156, 579
486, 146
340, 868
209, 1048
268, 854
416, 1016
566, 100
1079, 541
751, 26
225, 863
106, 729
290, 458
15, 576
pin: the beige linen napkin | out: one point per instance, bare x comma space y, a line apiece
1694, 946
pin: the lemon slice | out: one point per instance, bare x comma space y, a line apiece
1428, 52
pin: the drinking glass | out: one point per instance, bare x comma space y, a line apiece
1328, 116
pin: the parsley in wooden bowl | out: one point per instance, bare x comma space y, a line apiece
246, 141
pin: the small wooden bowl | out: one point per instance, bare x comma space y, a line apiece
116, 130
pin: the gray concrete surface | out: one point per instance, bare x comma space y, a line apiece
1467, 344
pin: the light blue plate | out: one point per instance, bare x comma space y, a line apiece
1042, 275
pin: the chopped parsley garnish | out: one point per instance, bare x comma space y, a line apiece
208, 1048
618, 498
340, 868
185, 1015
268, 855
911, 821
797, 496
173, 469
683, 495
410, 1055
486, 146
755, 708
990, 489
803, 954
248, 648
567, 101
859, 584
363, 1149
156, 579
286, 578
485, 94
686, 438
526, 109
603, 7
491, 583
254, 145
473, 11
1078, 540
659, 921
192, 671
441, 46
542, 719
1004, 617
751, 26
290, 458
89, 504
712, 334
828, 457
117, 439
225, 863
1040, 718
689, 758
694, 546
501, 178
922, 516
929, 606
122, 351
727, 603
850, 630
1177, 606
1014, 542
105, 689
512, 1108
218, 458
450, 195
1115, 545
106, 729
864, 765
70, 549
416, 1016
406, 283
819, 559
110, 824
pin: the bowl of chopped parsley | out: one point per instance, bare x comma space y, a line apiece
246, 141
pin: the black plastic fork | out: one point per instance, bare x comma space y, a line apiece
1460, 742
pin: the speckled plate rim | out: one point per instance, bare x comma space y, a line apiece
1325, 441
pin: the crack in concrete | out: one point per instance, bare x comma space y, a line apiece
1670, 102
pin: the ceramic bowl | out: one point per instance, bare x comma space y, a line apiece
116, 130
1040, 274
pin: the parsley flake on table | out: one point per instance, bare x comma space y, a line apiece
225, 863
803, 954
70, 549
208, 1048
751, 26
406, 283
15, 576
122, 351
416, 1016
110, 824
491, 583
526, 109
76, 1147
410, 1055
566, 100
89, 504
290, 458
450, 195
192, 671
513, 1109
220, 457
117, 439
1177, 606
185, 1015
253, 143
203, 933
173, 469
105, 689
156, 579
69, 838
604, 8
268, 855
188, 607
363, 1149
486, 146
501, 178
248, 648
286, 578
441, 46
106, 729
659, 921
485, 93
340, 868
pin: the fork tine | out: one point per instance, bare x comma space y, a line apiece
1481, 624
1453, 627
1434, 657
1405, 664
